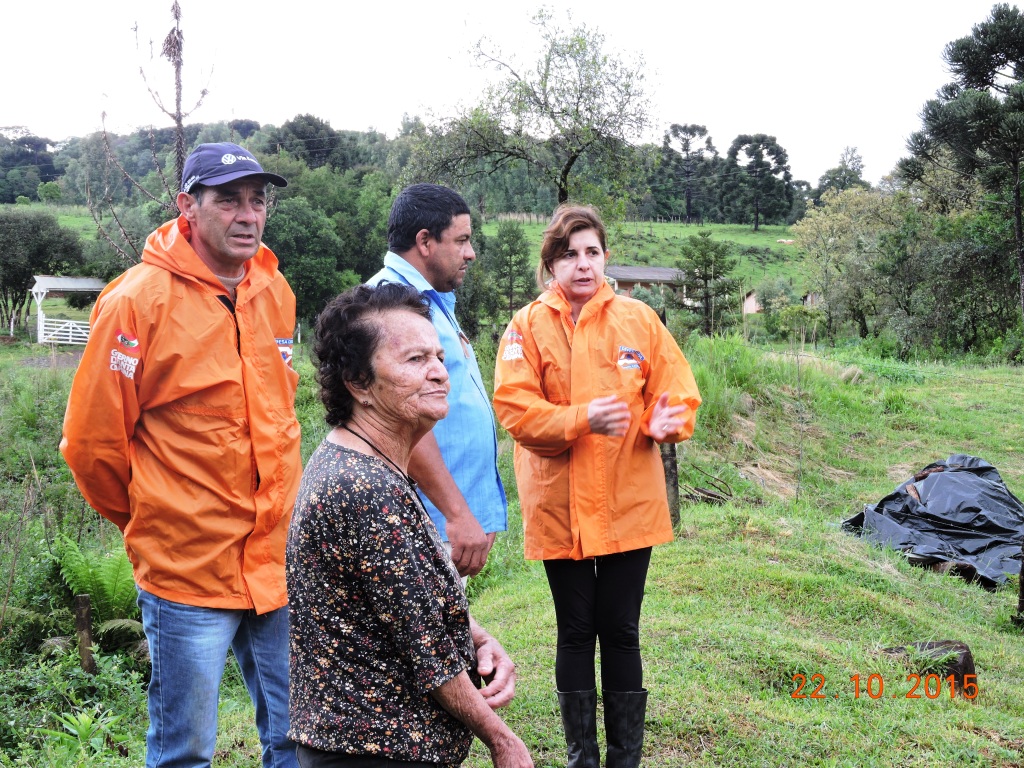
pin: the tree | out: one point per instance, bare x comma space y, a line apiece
941, 189
774, 294
508, 262
848, 174
979, 117
48, 192
25, 162
826, 235
126, 246
373, 205
707, 287
308, 138
689, 165
797, 319
761, 187
478, 298
802, 194
244, 128
308, 249
578, 101
31, 243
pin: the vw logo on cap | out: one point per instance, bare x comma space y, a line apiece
228, 159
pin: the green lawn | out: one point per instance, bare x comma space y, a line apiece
76, 217
767, 587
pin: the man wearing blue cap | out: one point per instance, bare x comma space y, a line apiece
181, 429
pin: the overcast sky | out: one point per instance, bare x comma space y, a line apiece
819, 76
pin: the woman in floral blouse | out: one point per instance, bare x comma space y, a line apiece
385, 659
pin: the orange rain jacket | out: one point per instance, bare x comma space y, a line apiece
584, 494
181, 426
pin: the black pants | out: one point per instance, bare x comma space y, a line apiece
315, 758
599, 599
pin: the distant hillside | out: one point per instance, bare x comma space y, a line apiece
657, 244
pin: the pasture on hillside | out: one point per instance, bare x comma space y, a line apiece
656, 244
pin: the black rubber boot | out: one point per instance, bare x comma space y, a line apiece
624, 713
579, 720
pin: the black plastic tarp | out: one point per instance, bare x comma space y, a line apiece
958, 511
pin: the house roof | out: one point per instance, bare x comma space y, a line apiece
51, 283
644, 274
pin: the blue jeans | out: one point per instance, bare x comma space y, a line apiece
188, 646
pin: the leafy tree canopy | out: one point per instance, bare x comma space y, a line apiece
308, 248
31, 243
707, 287
578, 100
978, 119
849, 173
757, 179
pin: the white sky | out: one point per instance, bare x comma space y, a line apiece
818, 75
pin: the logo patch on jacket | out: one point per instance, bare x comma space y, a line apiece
124, 364
127, 340
629, 358
514, 348
284, 346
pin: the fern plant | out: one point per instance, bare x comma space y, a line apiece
105, 576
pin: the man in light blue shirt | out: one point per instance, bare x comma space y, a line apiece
454, 465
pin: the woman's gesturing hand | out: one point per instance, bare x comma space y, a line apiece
666, 420
608, 416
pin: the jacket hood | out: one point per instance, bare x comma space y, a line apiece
168, 247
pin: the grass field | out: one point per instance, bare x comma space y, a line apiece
76, 217
751, 593
767, 587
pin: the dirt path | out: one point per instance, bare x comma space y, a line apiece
62, 359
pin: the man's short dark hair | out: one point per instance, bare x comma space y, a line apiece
348, 332
422, 206
197, 191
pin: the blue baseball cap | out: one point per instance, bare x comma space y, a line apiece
220, 163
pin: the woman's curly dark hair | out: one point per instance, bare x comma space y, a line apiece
348, 331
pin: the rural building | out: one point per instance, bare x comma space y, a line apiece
625, 279
59, 331
751, 306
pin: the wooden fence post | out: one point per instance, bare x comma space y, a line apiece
668, 460
1018, 618
83, 626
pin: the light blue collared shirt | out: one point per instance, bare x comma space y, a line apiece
467, 435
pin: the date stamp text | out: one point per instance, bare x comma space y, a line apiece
915, 686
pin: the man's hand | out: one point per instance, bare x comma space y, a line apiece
495, 667
666, 420
608, 416
470, 544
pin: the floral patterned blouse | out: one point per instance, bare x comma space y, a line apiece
379, 618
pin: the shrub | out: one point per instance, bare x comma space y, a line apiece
59, 688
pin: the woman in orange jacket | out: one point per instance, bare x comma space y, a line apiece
587, 383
